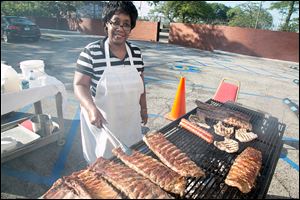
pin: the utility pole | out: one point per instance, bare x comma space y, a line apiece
141, 10
256, 23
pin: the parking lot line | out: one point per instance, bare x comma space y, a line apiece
58, 166
63, 155
289, 161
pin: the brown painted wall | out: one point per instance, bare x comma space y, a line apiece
51, 23
91, 26
144, 30
260, 43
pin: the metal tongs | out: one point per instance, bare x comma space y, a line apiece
113, 139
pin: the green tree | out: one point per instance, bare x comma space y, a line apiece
250, 15
287, 9
39, 8
151, 3
183, 11
60, 9
161, 9
219, 13
22, 8
294, 25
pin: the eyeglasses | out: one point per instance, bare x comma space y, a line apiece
117, 24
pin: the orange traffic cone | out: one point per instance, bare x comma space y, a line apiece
178, 108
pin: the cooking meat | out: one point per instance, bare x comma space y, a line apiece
220, 112
67, 188
233, 121
171, 156
128, 181
154, 170
226, 115
199, 120
97, 186
228, 145
243, 136
244, 170
205, 135
222, 130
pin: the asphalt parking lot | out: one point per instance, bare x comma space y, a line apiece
265, 83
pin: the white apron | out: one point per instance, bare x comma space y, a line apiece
117, 97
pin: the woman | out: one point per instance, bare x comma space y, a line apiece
109, 84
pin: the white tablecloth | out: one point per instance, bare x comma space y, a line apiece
16, 100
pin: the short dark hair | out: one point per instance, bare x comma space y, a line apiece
126, 7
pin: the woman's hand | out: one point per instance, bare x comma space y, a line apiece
144, 115
95, 117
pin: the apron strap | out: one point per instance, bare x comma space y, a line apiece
107, 55
129, 54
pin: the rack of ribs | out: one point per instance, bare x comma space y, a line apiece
97, 186
171, 156
244, 170
132, 184
154, 170
67, 188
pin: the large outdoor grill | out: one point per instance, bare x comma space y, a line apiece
216, 163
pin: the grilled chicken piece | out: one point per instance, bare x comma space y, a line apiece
244, 170
199, 120
67, 188
228, 145
154, 170
128, 181
233, 121
171, 156
222, 130
243, 136
97, 186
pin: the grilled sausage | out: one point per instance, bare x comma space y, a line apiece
196, 130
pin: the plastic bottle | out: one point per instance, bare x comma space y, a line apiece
25, 84
31, 75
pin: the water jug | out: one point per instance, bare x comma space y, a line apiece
10, 79
36, 65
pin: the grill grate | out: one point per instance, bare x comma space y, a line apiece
216, 163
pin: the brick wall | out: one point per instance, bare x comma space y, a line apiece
253, 42
51, 23
91, 26
144, 30
260, 43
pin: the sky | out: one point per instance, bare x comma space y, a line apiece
144, 8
